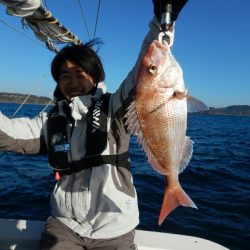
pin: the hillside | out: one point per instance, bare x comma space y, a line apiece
19, 98
243, 110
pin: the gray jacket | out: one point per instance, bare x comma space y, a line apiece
98, 202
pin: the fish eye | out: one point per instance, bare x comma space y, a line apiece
152, 69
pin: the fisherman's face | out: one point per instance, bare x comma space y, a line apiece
73, 81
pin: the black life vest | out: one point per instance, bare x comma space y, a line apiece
60, 127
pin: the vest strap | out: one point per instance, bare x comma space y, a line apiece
119, 160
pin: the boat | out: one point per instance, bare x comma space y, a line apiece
25, 235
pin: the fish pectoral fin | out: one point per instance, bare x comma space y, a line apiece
195, 105
174, 95
173, 198
132, 122
186, 154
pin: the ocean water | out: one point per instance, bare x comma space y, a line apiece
217, 179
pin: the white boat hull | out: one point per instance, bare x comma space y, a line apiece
25, 235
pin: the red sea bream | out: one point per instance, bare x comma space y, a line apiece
159, 119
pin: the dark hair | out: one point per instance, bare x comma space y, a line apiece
84, 56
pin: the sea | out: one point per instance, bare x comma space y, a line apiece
217, 179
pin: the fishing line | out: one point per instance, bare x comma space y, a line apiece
22, 33
52, 99
28, 96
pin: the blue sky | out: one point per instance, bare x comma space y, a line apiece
212, 44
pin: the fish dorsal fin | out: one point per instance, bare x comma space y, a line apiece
187, 153
133, 127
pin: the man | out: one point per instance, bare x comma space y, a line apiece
94, 202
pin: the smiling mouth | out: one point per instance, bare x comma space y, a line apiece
75, 92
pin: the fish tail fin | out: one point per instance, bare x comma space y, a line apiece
172, 199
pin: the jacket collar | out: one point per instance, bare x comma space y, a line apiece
79, 105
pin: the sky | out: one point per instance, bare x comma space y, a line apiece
212, 45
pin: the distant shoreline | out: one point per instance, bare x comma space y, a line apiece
239, 110
20, 98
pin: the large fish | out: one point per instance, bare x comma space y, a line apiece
159, 118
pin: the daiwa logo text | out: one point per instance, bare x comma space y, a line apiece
96, 115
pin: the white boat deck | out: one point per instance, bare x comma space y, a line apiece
24, 235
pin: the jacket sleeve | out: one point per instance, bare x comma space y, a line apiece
22, 135
125, 94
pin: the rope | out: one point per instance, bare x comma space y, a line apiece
97, 16
84, 19
48, 29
